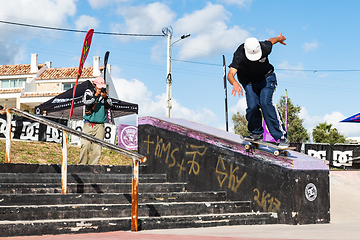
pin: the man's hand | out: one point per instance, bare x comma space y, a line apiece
97, 91
279, 39
236, 86
237, 89
104, 94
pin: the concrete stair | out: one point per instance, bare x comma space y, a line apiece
99, 200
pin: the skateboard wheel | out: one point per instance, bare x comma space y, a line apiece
286, 153
276, 153
247, 147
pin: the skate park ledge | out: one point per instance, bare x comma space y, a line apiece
294, 187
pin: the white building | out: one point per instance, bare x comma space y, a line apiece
25, 86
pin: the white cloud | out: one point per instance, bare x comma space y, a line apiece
293, 70
305, 27
241, 3
311, 47
239, 107
148, 19
203, 116
209, 32
53, 13
135, 91
86, 22
270, 32
103, 3
334, 118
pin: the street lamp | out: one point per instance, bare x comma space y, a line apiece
168, 31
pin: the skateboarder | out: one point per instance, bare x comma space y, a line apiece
256, 75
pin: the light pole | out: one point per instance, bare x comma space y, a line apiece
168, 31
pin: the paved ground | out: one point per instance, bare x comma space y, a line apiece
345, 222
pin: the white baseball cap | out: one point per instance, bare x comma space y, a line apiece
252, 49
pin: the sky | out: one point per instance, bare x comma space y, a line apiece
318, 67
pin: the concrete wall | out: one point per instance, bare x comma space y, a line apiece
296, 187
49, 87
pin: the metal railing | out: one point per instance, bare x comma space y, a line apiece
137, 158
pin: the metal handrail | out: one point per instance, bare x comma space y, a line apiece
135, 156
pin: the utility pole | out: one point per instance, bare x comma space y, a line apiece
168, 31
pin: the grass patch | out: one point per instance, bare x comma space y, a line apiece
51, 153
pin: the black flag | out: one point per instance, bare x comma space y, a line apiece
105, 63
225, 91
109, 113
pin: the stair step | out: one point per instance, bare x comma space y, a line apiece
107, 198
36, 188
206, 220
71, 168
99, 199
71, 226
78, 178
68, 211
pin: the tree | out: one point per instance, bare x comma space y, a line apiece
240, 124
324, 133
296, 130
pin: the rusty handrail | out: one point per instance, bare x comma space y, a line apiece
135, 156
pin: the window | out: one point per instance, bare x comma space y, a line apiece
67, 86
13, 83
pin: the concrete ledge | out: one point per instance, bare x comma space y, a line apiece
208, 159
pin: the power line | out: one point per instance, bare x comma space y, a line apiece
213, 64
83, 31
162, 35
314, 71
281, 69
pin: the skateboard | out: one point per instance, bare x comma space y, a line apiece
277, 152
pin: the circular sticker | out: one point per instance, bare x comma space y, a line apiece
129, 137
310, 192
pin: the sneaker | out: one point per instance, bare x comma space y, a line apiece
254, 137
284, 142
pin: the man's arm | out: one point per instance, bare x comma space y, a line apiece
107, 101
279, 39
236, 86
89, 98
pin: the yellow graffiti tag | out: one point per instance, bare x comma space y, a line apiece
160, 148
181, 167
173, 157
148, 144
234, 181
195, 167
271, 205
217, 170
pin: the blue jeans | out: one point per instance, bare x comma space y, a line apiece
259, 96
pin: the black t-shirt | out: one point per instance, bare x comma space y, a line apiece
252, 71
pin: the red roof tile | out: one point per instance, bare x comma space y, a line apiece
10, 90
40, 94
20, 69
66, 73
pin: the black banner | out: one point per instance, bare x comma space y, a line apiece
339, 155
26, 129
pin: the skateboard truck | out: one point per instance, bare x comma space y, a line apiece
277, 152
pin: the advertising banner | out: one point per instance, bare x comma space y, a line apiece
128, 137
